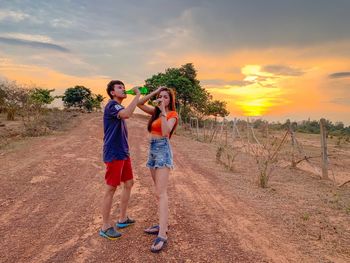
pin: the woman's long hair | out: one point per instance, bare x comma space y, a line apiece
157, 111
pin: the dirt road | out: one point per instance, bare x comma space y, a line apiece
51, 190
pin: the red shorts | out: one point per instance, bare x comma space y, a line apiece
118, 171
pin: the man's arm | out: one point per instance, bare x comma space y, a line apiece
128, 111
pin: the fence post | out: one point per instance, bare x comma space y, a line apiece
292, 135
324, 149
248, 124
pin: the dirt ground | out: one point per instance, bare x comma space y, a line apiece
52, 187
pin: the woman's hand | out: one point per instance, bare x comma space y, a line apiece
161, 105
159, 89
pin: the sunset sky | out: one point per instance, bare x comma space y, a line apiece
274, 58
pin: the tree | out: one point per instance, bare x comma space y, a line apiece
192, 98
94, 102
39, 97
2, 97
13, 98
78, 96
217, 108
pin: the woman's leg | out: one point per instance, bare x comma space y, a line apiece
161, 178
153, 173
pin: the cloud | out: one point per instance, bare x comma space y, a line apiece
339, 75
28, 37
341, 101
61, 23
33, 44
15, 16
221, 82
282, 70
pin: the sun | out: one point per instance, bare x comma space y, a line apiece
255, 98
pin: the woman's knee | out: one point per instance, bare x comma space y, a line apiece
161, 195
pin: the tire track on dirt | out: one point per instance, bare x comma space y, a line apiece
50, 205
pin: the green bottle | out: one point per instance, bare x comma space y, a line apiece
143, 90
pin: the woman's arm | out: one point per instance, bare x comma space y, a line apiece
143, 100
167, 125
147, 109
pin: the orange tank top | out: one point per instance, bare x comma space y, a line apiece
156, 127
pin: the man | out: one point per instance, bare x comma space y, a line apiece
116, 157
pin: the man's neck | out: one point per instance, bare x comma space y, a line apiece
118, 100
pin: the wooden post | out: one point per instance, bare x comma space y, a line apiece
180, 120
204, 130
226, 133
248, 129
233, 130
293, 145
221, 129
324, 149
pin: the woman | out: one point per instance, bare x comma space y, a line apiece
160, 159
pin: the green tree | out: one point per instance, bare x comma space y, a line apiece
94, 102
216, 108
77, 97
2, 97
192, 98
39, 97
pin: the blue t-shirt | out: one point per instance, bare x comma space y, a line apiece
115, 139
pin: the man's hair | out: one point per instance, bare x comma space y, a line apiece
110, 86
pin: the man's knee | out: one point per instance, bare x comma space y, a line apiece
110, 190
129, 184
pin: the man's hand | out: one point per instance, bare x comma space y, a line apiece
136, 90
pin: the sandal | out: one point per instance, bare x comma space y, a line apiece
126, 223
156, 242
153, 230
110, 233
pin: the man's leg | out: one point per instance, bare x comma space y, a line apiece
112, 177
106, 206
125, 197
127, 178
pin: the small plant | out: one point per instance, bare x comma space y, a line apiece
230, 153
219, 152
266, 156
306, 216
338, 141
347, 210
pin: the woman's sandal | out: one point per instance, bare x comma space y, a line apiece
153, 230
156, 242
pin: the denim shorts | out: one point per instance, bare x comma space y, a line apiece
160, 154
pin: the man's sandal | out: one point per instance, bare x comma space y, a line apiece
110, 233
126, 223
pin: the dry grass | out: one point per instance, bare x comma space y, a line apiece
35, 125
